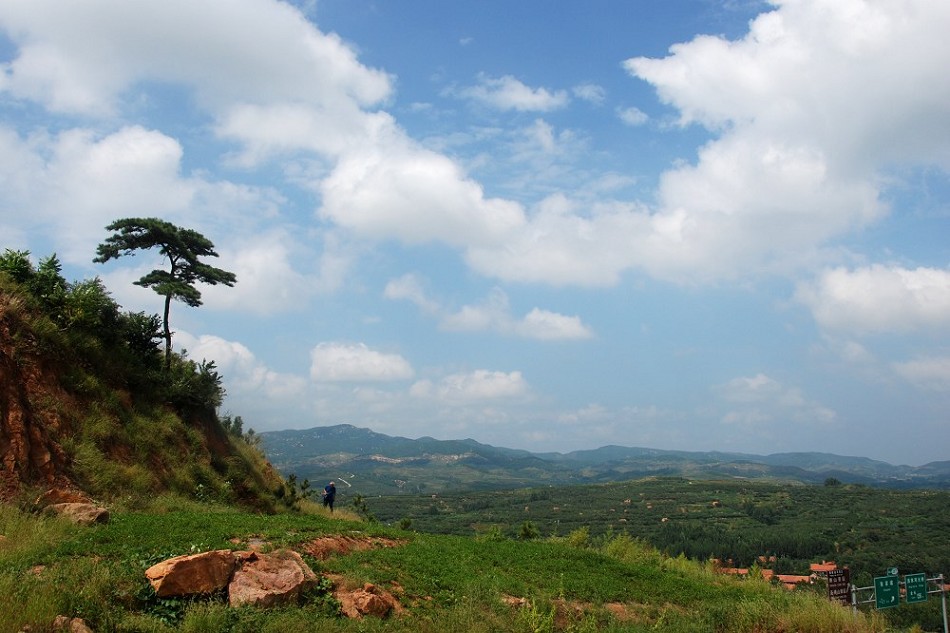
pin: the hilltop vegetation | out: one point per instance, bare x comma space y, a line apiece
87, 403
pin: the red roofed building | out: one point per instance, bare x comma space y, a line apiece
823, 567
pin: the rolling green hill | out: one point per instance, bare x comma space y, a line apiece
376, 464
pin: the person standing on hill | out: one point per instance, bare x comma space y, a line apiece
329, 495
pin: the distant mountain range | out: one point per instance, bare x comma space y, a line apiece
373, 464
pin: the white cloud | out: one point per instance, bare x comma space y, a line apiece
834, 74
247, 52
590, 92
929, 373
336, 362
280, 128
405, 192
508, 93
78, 183
879, 298
761, 401
543, 324
541, 135
569, 242
409, 287
810, 110
267, 280
793, 165
851, 352
632, 116
494, 313
810, 107
246, 376
478, 385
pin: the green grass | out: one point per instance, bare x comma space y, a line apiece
866, 529
446, 583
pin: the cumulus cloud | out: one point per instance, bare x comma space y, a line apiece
493, 314
342, 362
246, 376
410, 288
67, 55
406, 192
275, 129
268, 281
808, 111
632, 116
478, 385
879, 298
508, 93
79, 182
271, 83
931, 373
810, 106
761, 401
544, 324
590, 92
569, 242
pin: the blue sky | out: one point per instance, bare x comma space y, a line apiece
698, 225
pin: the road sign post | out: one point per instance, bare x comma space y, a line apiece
886, 591
839, 585
915, 586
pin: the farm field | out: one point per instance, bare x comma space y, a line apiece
867, 529
442, 582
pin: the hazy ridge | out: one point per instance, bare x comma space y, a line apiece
375, 463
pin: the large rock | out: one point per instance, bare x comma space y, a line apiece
81, 513
370, 600
267, 580
70, 625
207, 572
61, 495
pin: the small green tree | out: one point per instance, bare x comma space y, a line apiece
528, 531
359, 504
182, 247
17, 265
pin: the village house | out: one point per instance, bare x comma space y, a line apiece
789, 581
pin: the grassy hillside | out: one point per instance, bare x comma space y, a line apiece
445, 583
86, 402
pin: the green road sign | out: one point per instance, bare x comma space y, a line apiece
916, 586
886, 591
